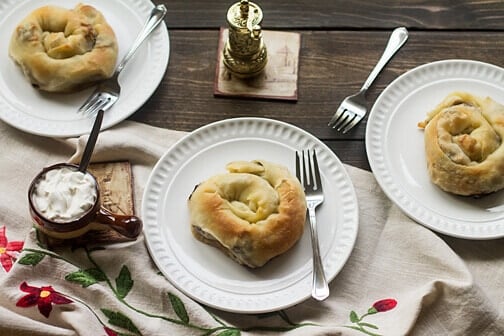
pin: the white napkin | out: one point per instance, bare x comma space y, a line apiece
401, 278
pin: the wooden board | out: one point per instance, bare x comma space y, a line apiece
279, 78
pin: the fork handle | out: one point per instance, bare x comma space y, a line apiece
156, 16
395, 42
320, 288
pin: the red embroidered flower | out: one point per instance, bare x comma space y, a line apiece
8, 250
110, 332
384, 305
43, 297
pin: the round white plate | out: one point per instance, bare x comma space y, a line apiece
206, 274
55, 115
395, 148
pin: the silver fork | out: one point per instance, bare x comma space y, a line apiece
307, 167
353, 108
107, 92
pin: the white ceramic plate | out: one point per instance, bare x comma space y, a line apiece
204, 273
395, 147
56, 115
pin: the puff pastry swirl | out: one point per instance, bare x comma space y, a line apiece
464, 144
61, 50
253, 213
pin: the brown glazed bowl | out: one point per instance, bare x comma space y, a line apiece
95, 218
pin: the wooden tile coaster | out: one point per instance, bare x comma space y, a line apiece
116, 191
278, 80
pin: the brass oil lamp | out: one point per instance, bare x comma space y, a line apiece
244, 53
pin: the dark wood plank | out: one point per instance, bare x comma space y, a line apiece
346, 14
332, 65
341, 43
350, 152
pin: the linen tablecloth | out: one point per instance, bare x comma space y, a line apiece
401, 278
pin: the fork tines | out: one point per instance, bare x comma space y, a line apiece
344, 120
95, 102
307, 169
351, 110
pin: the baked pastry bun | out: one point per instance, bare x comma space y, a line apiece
464, 145
61, 50
253, 213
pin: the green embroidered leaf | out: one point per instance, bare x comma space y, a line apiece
31, 258
87, 277
179, 308
120, 320
354, 317
372, 310
230, 332
124, 282
369, 325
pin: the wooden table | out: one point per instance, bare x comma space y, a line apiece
341, 41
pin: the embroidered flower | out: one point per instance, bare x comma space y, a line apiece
384, 305
44, 297
8, 250
377, 307
110, 332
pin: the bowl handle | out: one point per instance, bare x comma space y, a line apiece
128, 226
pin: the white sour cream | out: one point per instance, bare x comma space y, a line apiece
64, 194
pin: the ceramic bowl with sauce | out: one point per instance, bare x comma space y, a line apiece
65, 203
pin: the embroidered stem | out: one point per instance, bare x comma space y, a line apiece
51, 254
361, 329
124, 284
123, 301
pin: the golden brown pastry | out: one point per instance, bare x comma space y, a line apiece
61, 50
464, 145
253, 213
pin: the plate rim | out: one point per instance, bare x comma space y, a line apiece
411, 207
261, 307
160, 40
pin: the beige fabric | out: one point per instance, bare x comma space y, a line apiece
442, 285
